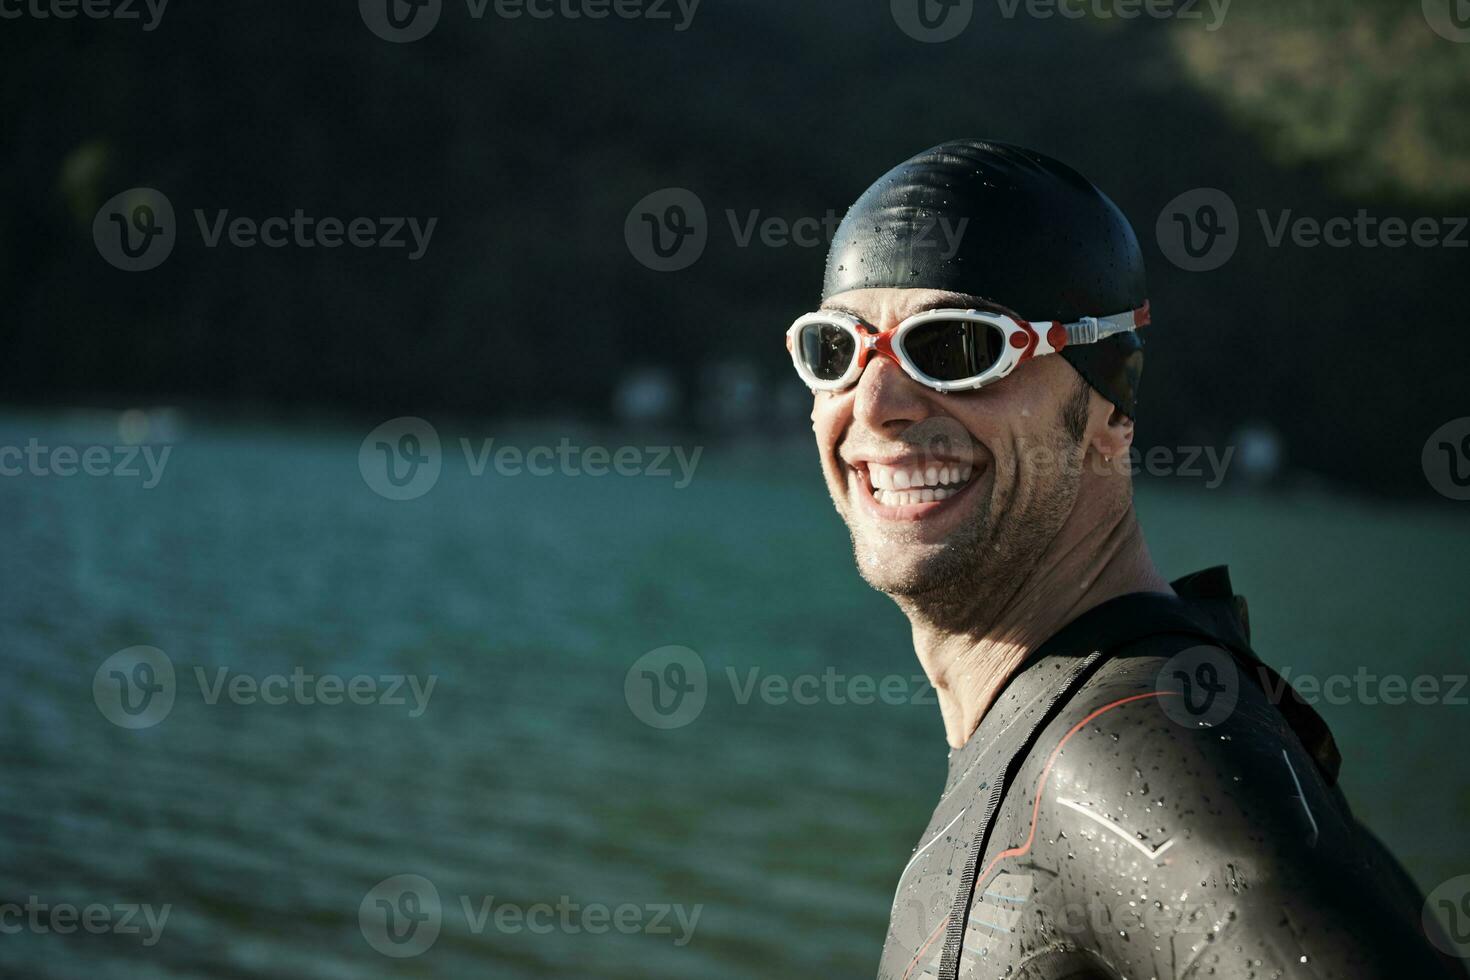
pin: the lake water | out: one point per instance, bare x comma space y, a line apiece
527, 782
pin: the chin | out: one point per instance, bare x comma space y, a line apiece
906, 570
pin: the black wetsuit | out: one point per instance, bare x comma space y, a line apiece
1146, 800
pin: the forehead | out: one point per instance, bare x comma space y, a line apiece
884, 307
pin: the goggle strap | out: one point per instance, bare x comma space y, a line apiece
1091, 329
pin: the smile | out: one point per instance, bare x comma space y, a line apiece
911, 490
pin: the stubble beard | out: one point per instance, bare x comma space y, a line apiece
967, 579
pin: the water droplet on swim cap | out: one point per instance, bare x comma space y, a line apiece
1008, 225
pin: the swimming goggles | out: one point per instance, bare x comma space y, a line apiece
947, 350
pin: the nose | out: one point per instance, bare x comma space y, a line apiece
887, 400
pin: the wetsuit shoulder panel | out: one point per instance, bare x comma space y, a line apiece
1149, 841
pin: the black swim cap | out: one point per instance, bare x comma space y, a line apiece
1010, 226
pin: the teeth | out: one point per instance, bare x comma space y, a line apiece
905, 498
932, 477
898, 488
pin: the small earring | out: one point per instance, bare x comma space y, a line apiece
1107, 459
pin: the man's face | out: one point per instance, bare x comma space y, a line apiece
949, 494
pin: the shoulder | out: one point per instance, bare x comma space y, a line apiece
1186, 752
1176, 775
1191, 720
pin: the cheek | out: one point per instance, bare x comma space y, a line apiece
828, 420
1024, 455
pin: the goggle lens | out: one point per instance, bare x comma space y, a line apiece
954, 350
826, 350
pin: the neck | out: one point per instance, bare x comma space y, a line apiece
969, 662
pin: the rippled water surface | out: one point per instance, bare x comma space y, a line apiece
526, 779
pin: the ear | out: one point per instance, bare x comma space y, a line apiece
1114, 437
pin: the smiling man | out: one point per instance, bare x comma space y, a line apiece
1131, 792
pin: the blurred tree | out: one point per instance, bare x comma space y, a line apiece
1362, 89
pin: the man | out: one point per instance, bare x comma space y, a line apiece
1131, 792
